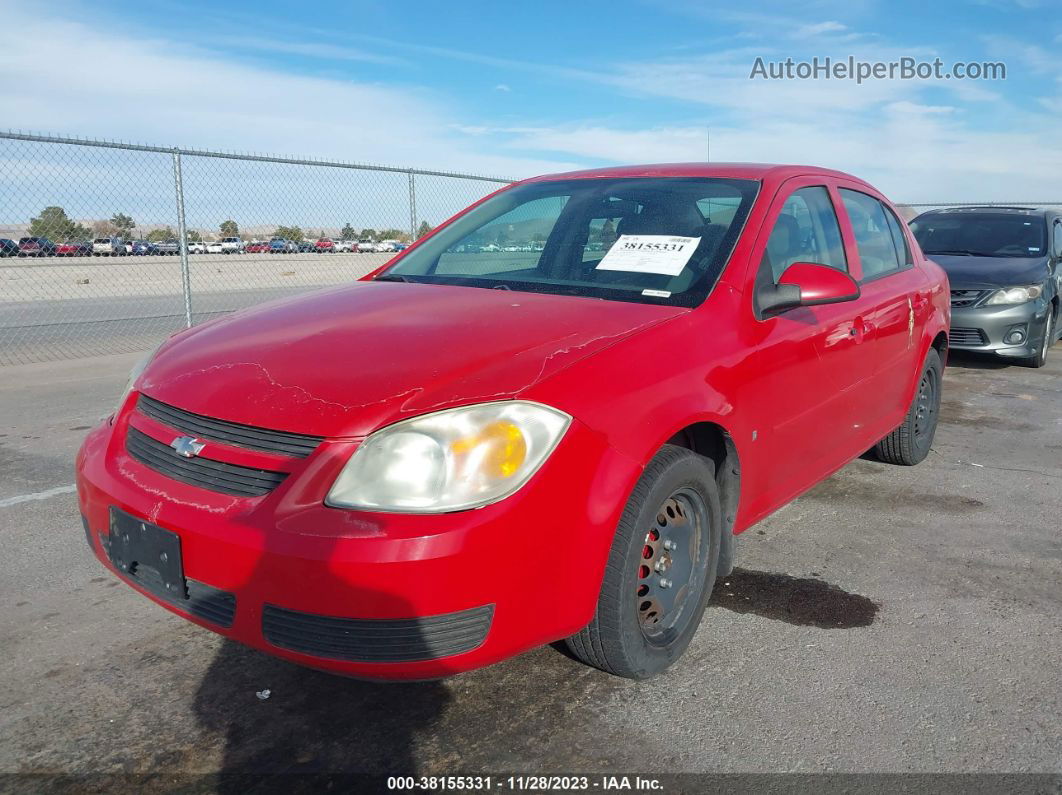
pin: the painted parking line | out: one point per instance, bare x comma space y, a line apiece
37, 495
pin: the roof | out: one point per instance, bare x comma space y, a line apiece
989, 208
758, 171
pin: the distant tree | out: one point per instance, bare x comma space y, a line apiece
158, 235
423, 229
193, 236
392, 234
348, 233
229, 228
368, 234
289, 233
102, 229
54, 224
123, 224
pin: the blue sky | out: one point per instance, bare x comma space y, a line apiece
518, 89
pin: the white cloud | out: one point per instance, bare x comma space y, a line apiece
169, 93
806, 31
502, 87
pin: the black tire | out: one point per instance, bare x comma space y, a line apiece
624, 638
1040, 359
909, 444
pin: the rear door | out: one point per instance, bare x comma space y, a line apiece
812, 373
893, 292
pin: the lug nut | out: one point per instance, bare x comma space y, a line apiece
660, 565
669, 544
665, 583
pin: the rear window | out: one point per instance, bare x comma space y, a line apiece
102, 240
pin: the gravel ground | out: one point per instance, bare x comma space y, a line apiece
893, 620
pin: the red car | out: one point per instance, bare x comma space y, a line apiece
547, 419
73, 249
257, 247
324, 244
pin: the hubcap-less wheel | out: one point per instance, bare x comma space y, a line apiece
670, 557
926, 405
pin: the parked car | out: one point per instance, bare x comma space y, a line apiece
73, 248
35, 247
197, 247
401, 246
279, 245
232, 245
324, 245
8, 248
344, 246
483, 471
143, 248
170, 247
108, 247
1005, 269
385, 246
215, 247
366, 246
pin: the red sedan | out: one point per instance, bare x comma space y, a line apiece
494, 443
324, 245
257, 247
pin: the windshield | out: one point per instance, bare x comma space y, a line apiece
980, 234
644, 239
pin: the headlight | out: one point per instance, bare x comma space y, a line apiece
1015, 295
451, 460
134, 374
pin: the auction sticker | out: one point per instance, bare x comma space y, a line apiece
663, 254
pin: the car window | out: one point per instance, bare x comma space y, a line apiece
874, 238
806, 230
1058, 238
899, 239
505, 244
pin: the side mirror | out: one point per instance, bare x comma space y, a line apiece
806, 284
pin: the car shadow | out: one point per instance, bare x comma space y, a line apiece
972, 361
802, 601
312, 731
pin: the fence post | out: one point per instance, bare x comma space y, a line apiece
412, 206
182, 233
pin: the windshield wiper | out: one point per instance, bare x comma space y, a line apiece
960, 251
391, 277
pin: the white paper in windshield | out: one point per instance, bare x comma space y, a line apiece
663, 254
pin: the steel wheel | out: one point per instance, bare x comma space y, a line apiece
926, 404
670, 558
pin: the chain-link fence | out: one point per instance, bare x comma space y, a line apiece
109, 247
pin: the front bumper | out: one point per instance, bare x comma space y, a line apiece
388, 596
983, 329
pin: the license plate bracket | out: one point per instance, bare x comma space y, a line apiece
147, 554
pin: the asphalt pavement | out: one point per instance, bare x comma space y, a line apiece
893, 620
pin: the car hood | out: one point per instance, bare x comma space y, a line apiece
346, 361
987, 272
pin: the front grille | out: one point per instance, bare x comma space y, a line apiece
376, 640
296, 445
218, 476
967, 336
961, 298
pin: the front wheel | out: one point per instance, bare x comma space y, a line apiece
1040, 358
909, 444
661, 569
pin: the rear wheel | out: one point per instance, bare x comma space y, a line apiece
909, 444
661, 569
